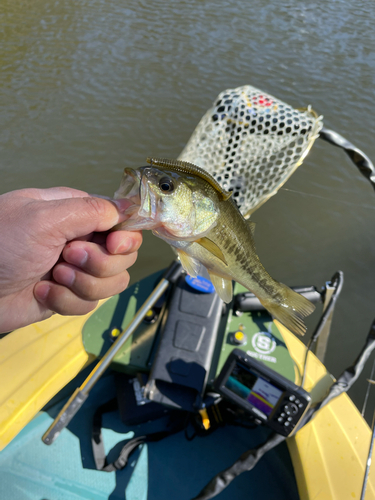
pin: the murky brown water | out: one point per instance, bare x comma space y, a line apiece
89, 87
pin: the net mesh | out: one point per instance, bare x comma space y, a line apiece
251, 143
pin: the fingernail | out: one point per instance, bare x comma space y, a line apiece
66, 276
42, 290
125, 245
78, 257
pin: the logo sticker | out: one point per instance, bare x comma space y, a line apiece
200, 283
263, 342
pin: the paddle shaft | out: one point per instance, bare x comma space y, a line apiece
80, 395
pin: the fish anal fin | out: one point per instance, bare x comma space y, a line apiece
212, 247
191, 265
223, 287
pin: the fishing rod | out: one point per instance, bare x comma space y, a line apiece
370, 382
369, 459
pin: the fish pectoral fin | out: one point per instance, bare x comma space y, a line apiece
223, 287
251, 225
212, 248
191, 265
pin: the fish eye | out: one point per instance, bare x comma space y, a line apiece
166, 185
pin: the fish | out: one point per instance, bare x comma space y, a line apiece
185, 206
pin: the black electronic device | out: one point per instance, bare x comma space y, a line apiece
186, 345
264, 393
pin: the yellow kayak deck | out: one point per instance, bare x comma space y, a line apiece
328, 454
35, 363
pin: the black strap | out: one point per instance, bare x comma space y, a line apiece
96, 436
246, 462
175, 425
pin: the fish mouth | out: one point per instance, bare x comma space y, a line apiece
135, 188
142, 213
130, 188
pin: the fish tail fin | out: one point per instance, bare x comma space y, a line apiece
291, 310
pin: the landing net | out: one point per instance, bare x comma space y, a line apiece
251, 143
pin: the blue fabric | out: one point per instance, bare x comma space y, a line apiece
173, 468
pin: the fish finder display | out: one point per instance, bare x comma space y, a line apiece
254, 389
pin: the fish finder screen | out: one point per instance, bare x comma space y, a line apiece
254, 389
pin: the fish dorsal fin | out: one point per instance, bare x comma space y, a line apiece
212, 247
189, 168
191, 265
223, 287
252, 226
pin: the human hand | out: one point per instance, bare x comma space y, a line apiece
56, 256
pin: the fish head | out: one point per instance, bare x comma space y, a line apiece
171, 203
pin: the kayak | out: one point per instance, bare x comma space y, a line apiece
325, 459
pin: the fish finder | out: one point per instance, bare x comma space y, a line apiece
262, 392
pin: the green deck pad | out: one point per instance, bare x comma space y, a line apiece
264, 342
173, 468
118, 312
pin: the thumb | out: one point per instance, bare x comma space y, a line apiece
76, 217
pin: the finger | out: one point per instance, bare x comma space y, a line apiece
20, 309
76, 217
89, 287
123, 241
55, 193
59, 299
96, 260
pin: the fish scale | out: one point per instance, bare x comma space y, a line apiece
252, 267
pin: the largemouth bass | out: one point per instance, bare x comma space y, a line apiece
187, 208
